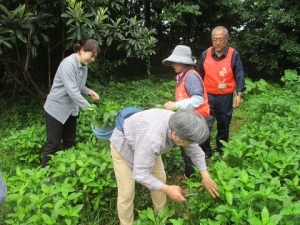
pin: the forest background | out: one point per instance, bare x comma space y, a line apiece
261, 183
136, 36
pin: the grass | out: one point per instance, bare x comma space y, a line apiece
23, 113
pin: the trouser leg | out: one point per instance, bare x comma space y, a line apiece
223, 130
188, 164
189, 170
69, 132
206, 145
159, 198
223, 115
54, 130
126, 187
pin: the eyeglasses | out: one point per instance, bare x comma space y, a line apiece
221, 40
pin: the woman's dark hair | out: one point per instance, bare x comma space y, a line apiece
89, 45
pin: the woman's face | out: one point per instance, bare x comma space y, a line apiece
178, 67
86, 57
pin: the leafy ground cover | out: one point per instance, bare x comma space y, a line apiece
258, 176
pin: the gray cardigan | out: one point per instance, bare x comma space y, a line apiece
66, 91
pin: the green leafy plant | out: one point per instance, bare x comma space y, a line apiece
149, 217
291, 78
104, 114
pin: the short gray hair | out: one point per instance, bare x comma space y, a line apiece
190, 126
222, 28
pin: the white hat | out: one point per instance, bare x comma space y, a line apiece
181, 54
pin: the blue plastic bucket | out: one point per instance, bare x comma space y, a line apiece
103, 133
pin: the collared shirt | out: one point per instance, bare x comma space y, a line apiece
81, 69
236, 64
146, 136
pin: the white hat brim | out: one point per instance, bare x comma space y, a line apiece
177, 59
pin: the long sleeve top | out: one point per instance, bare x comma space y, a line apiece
68, 89
146, 136
195, 89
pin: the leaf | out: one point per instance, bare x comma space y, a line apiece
21, 36
150, 214
5, 10
75, 210
265, 215
229, 197
275, 219
244, 176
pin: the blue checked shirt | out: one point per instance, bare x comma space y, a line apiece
146, 136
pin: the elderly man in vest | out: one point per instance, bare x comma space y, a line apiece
222, 72
189, 94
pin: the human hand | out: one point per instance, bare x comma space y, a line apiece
237, 101
211, 186
94, 95
169, 105
174, 192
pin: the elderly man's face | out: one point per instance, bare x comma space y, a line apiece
219, 40
180, 142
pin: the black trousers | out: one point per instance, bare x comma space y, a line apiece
221, 109
56, 131
188, 164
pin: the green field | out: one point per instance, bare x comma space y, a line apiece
258, 176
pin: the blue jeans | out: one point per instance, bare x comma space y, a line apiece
56, 131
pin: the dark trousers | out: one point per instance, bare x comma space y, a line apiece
221, 109
56, 131
188, 164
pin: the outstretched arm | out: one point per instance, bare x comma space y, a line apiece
209, 184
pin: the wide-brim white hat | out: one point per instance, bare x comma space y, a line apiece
181, 54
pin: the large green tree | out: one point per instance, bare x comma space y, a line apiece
269, 36
35, 36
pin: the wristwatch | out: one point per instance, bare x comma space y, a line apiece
240, 94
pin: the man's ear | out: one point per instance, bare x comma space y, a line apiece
175, 137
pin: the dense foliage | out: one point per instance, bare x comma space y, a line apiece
258, 176
136, 35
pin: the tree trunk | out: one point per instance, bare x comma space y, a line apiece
37, 98
147, 13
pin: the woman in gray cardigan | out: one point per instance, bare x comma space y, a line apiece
66, 98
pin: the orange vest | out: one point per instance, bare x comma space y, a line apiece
219, 77
180, 94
